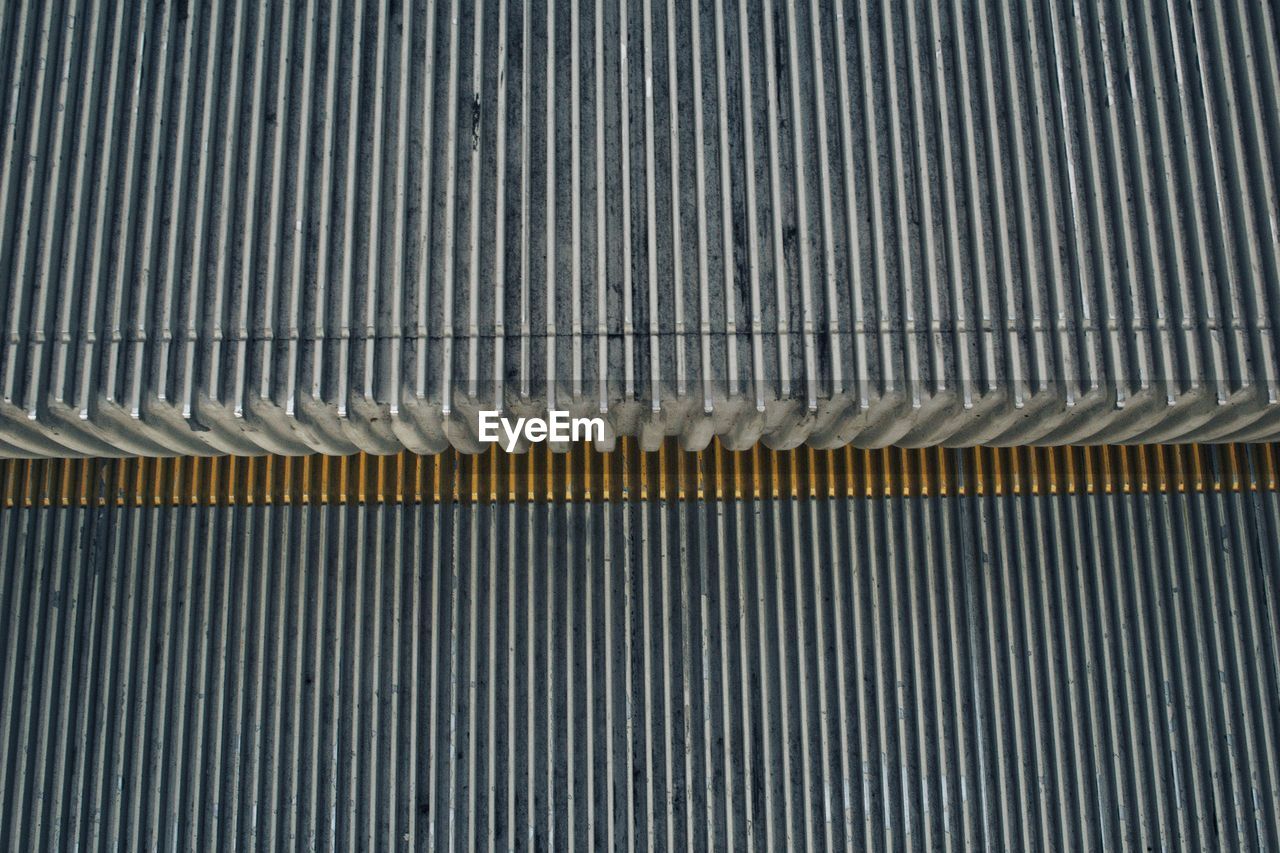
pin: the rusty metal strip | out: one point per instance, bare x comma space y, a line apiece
583, 474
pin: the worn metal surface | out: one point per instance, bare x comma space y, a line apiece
1009, 671
625, 473
233, 226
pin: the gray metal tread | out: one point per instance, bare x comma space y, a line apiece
237, 226
1094, 670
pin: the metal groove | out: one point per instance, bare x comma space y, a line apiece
670, 473
239, 226
988, 669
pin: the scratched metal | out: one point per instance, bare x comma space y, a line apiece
245, 225
1003, 671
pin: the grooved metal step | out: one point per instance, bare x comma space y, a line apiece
236, 226
1006, 669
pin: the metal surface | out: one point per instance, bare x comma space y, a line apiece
238, 226
1015, 671
585, 475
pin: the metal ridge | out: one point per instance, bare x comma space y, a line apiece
629, 473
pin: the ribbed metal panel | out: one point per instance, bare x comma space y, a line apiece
1012, 671
237, 226
584, 475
